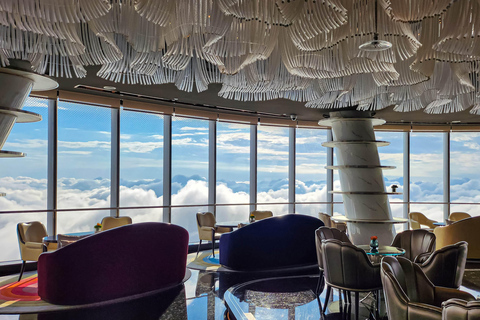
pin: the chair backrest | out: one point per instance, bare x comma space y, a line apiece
446, 266
33, 231
404, 282
114, 222
260, 215
415, 242
463, 230
460, 309
421, 219
347, 266
327, 220
457, 216
205, 222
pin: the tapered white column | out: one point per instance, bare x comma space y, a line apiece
366, 203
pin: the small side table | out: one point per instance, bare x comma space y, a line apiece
382, 251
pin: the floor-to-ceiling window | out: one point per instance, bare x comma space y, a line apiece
24, 180
310, 171
189, 171
272, 169
426, 173
233, 171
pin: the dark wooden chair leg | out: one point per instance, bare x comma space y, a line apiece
357, 305
326, 298
198, 249
320, 283
21, 270
213, 243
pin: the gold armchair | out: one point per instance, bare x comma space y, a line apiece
327, 220
418, 219
260, 215
207, 230
113, 222
457, 216
30, 240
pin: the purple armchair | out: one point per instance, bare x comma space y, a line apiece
120, 262
280, 242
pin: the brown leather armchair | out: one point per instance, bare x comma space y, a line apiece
409, 295
348, 268
207, 230
260, 215
114, 222
456, 309
415, 242
446, 266
30, 240
418, 219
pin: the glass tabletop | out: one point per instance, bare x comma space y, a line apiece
383, 250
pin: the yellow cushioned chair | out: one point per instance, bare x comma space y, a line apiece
30, 240
418, 219
207, 230
463, 230
260, 215
327, 220
113, 222
457, 216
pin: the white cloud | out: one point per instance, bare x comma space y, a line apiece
140, 147
189, 142
76, 152
188, 134
26, 144
193, 129
472, 145
84, 144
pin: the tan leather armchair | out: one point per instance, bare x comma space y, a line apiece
327, 220
456, 309
457, 216
30, 240
463, 230
418, 219
409, 295
446, 266
348, 268
207, 230
415, 242
114, 222
260, 215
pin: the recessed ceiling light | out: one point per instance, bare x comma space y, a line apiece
109, 88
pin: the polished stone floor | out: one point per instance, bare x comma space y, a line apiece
206, 296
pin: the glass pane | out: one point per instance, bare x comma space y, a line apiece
9, 245
189, 161
311, 175
79, 221
233, 163
277, 209
24, 180
392, 155
84, 139
310, 209
141, 159
233, 213
272, 164
187, 218
464, 175
143, 214
426, 170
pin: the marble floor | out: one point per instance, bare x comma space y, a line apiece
206, 294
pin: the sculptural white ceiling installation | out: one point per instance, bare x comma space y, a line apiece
301, 50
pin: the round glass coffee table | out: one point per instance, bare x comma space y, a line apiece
383, 250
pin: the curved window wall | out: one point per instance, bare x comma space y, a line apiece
156, 167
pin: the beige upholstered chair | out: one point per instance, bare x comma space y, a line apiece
457, 216
457, 309
30, 240
415, 242
327, 220
463, 230
113, 222
348, 267
207, 230
410, 295
260, 215
446, 266
418, 219
64, 240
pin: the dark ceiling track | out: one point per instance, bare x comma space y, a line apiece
175, 101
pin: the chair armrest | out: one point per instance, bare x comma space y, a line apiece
422, 257
443, 294
35, 245
207, 228
423, 311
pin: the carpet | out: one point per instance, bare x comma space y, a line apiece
204, 261
17, 297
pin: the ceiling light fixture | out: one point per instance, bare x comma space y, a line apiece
375, 44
